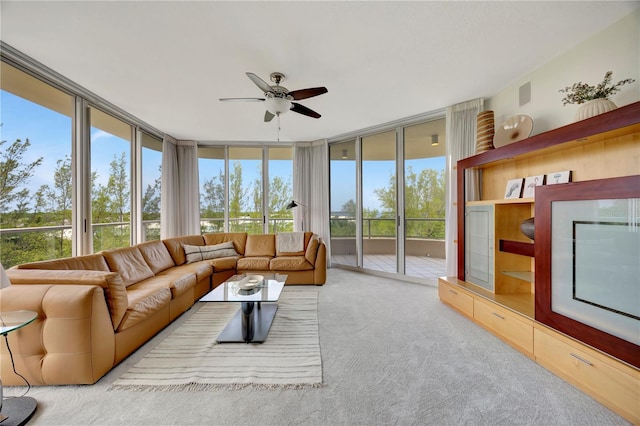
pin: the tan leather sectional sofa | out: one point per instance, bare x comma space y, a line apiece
95, 310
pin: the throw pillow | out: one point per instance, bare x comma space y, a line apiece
197, 253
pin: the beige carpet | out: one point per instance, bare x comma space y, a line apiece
190, 358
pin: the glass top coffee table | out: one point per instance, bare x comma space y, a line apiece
258, 296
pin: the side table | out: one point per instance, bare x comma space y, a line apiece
15, 411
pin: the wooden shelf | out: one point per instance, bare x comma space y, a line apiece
517, 247
527, 276
503, 201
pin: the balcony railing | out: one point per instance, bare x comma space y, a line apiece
21, 245
420, 228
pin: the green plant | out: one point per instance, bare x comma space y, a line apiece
581, 92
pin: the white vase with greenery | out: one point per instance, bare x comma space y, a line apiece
594, 100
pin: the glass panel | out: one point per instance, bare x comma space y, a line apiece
280, 190
151, 186
379, 202
212, 189
424, 198
110, 181
595, 247
245, 190
35, 170
342, 164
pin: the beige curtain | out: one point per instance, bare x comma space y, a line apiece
180, 189
311, 188
461, 141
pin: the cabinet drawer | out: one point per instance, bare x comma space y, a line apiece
591, 372
456, 298
506, 325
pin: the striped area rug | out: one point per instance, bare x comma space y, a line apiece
190, 358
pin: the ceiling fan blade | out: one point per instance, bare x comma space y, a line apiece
300, 109
242, 99
268, 116
263, 85
307, 93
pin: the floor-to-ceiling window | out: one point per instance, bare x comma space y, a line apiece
342, 172
387, 200
211, 170
245, 190
259, 180
379, 210
424, 198
35, 169
151, 186
280, 189
111, 143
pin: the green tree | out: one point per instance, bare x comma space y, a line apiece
212, 198
237, 193
13, 171
151, 199
118, 187
279, 196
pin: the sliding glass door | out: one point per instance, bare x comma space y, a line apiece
342, 169
379, 202
424, 198
387, 201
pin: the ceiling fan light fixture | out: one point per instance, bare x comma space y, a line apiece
277, 106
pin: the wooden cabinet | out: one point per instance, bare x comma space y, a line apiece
456, 298
498, 264
613, 384
513, 328
479, 245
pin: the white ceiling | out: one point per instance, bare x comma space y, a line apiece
167, 63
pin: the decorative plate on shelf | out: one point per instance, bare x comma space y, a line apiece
514, 129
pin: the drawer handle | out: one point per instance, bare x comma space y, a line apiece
590, 364
453, 291
498, 315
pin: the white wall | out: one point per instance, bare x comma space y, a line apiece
617, 48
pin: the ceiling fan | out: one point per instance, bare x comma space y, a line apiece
278, 99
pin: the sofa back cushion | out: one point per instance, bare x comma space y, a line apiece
174, 245
129, 263
312, 250
156, 255
260, 245
214, 251
115, 291
239, 240
307, 238
91, 262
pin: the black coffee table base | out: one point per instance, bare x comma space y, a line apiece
250, 324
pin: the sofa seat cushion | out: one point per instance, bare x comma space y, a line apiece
290, 263
224, 263
156, 255
177, 282
129, 263
202, 270
257, 263
144, 301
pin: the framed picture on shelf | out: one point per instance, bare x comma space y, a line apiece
513, 189
558, 177
529, 185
